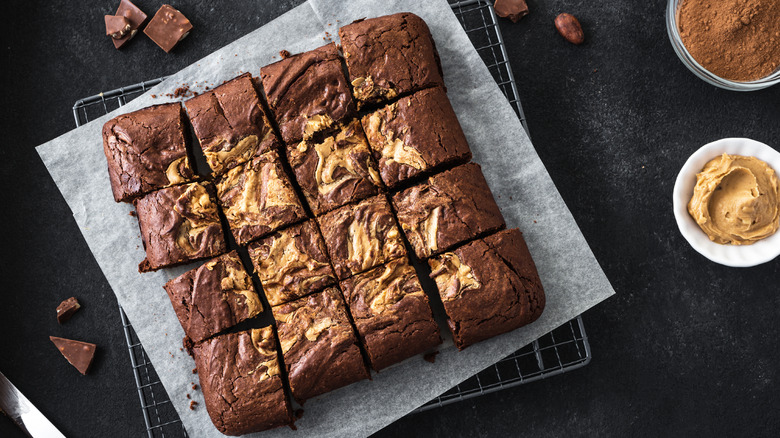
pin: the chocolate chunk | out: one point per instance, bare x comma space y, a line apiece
134, 15
511, 9
79, 354
431, 357
66, 309
168, 27
117, 26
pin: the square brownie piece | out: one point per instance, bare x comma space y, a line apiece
361, 236
258, 198
318, 344
179, 224
489, 286
241, 381
415, 135
450, 208
146, 150
390, 56
292, 263
230, 124
213, 297
391, 313
336, 171
308, 93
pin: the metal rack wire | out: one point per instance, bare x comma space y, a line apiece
564, 349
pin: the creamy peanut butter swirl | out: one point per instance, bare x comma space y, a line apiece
221, 154
262, 340
381, 293
393, 149
364, 247
237, 283
315, 124
452, 276
366, 89
198, 212
174, 173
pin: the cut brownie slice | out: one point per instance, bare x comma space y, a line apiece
258, 198
389, 56
178, 225
319, 346
146, 150
337, 171
230, 124
449, 209
292, 263
308, 93
489, 286
214, 297
391, 313
418, 134
361, 236
241, 382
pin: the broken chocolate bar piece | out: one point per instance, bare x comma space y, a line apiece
117, 26
135, 16
168, 27
511, 9
79, 354
66, 309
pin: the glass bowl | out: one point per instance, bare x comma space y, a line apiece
701, 72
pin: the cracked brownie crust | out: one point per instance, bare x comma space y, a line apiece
214, 297
389, 56
450, 208
391, 313
336, 171
319, 346
361, 236
230, 124
241, 382
417, 134
179, 224
488, 287
308, 93
258, 198
292, 263
146, 150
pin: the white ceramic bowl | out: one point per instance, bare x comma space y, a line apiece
729, 255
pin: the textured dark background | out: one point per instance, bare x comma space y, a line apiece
687, 347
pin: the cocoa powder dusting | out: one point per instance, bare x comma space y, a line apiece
737, 40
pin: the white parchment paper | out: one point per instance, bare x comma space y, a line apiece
571, 276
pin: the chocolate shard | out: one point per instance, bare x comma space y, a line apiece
66, 309
79, 354
135, 16
511, 9
168, 27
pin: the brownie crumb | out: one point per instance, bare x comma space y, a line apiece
298, 413
188, 396
194, 371
193, 404
431, 357
284, 54
154, 96
534, 221
132, 213
194, 387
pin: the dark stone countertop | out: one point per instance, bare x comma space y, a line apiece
687, 347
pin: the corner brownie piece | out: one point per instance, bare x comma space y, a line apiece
418, 134
213, 297
241, 382
391, 313
336, 171
292, 263
361, 236
308, 93
389, 56
319, 347
258, 198
179, 224
489, 286
230, 124
146, 150
450, 208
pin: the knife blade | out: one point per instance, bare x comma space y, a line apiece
23, 413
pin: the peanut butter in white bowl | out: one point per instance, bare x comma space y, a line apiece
727, 202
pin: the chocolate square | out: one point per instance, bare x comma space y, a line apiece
168, 27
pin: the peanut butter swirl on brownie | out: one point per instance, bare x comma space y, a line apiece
337, 170
292, 263
179, 224
391, 313
230, 124
258, 198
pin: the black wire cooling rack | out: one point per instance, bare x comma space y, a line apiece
564, 349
